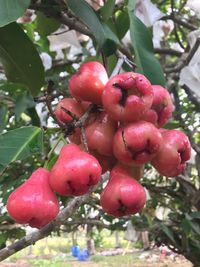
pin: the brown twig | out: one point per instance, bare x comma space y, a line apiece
167, 51
45, 231
193, 98
61, 219
187, 60
181, 22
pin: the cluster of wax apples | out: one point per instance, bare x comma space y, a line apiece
123, 134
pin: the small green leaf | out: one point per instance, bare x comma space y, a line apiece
85, 12
107, 10
23, 101
18, 144
20, 59
121, 23
11, 10
45, 25
146, 61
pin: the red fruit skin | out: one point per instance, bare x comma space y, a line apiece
135, 172
162, 107
34, 202
123, 195
127, 96
74, 172
100, 133
71, 105
88, 83
176, 150
137, 143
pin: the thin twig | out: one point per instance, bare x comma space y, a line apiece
45, 231
193, 98
118, 66
167, 51
186, 61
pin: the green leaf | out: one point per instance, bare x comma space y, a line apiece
168, 232
34, 116
11, 10
23, 101
20, 59
185, 224
3, 238
46, 25
194, 215
146, 61
111, 42
85, 12
18, 144
121, 23
107, 10
131, 5
3, 116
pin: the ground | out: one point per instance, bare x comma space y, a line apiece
56, 252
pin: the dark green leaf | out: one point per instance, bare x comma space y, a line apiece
46, 25
34, 116
11, 10
185, 224
168, 232
122, 23
23, 101
107, 10
3, 238
85, 12
110, 45
20, 59
3, 116
19, 144
146, 61
12, 88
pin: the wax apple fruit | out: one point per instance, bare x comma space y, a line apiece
123, 195
100, 133
127, 96
162, 107
74, 172
137, 143
34, 202
171, 159
88, 83
69, 104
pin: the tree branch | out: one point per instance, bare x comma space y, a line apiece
168, 51
187, 60
46, 230
193, 98
181, 22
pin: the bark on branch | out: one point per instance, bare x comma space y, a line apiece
46, 230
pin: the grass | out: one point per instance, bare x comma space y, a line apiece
95, 261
